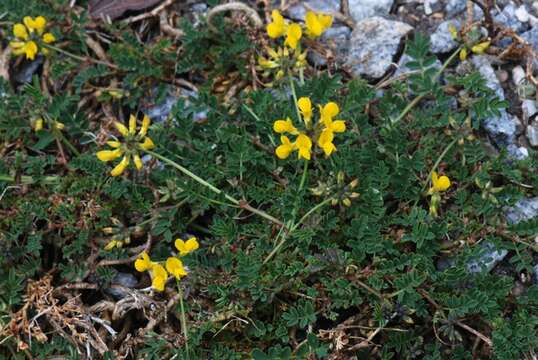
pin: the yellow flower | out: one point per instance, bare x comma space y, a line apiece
48, 38
120, 168
480, 48
294, 34
463, 54
328, 111
38, 124
277, 28
305, 106
143, 263
27, 39
284, 126
453, 31
175, 267
439, 184
316, 24
121, 128
159, 277
109, 155
325, 141
145, 125
147, 144
112, 244
284, 150
38, 24
185, 247
303, 144
129, 148
19, 31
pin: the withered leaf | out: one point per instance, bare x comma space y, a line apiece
113, 9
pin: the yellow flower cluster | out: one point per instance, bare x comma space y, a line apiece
439, 184
315, 25
130, 147
477, 48
289, 58
39, 124
323, 131
173, 265
29, 37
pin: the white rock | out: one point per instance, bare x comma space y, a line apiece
373, 44
518, 75
528, 108
532, 135
362, 9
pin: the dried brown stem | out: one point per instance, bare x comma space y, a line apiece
233, 6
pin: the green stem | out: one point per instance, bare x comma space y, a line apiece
310, 212
416, 100
435, 165
27, 180
294, 227
192, 176
294, 95
66, 142
183, 318
79, 58
242, 204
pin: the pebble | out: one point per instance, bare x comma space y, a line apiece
373, 45
528, 107
518, 75
487, 259
363, 9
124, 279
28, 69
524, 209
532, 135
509, 19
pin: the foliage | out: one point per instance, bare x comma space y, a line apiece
342, 273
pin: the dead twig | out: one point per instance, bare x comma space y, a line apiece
149, 14
140, 249
167, 28
4, 63
233, 6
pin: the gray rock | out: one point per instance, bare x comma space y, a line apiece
28, 69
508, 18
488, 257
373, 45
531, 37
337, 40
431, 6
123, 279
532, 135
528, 107
456, 7
298, 12
517, 152
161, 111
524, 209
441, 41
502, 129
536, 274
363, 9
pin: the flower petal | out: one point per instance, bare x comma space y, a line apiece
19, 31
145, 126
147, 144
109, 155
30, 48
48, 38
138, 162
120, 168
294, 34
121, 128
338, 126
132, 124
